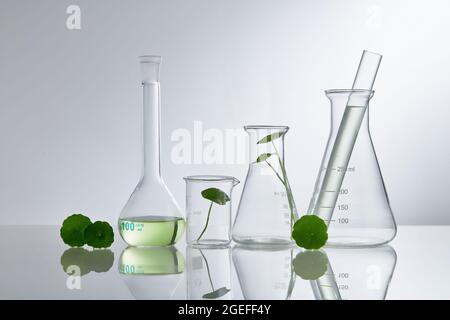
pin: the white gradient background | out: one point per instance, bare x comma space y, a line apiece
70, 100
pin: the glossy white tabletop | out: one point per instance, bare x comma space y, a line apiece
415, 266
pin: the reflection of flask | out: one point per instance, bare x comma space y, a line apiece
265, 272
363, 273
267, 209
208, 273
152, 273
151, 217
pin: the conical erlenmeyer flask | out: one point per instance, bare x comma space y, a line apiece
151, 217
267, 209
265, 272
351, 197
363, 273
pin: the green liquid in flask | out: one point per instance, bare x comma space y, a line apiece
151, 230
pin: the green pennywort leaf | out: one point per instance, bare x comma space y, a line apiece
310, 265
263, 157
271, 137
99, 234
216, 293
215, 195
310, 232
72, 230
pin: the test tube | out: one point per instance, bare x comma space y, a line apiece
345, 140
326, 288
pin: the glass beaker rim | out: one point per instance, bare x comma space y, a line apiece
250, 127
150, 58
210, 178
349, 91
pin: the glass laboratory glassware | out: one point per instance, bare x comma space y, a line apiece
267, 209
209, 273
264, 272
350, 194
152, 272
363, 273
151, 217
208, 223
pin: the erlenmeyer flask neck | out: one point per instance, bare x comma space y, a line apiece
151, 115
266, 140
349, 105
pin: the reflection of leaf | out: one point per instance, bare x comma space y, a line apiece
100, 260
263, 157
215, 195
310, 265
271, 137
87, 261
75, 257
216, 293
310, 232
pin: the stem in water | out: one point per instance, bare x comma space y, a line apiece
207, 221
286, 184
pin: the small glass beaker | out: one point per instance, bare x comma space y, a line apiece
208, 209
209, 273
267, 208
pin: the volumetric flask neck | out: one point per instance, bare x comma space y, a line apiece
151, 116
267, 208
349, 193
151, 217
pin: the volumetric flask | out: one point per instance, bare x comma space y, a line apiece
151, 216
349, 193
267, 209
208, 209
209, 273
152, 272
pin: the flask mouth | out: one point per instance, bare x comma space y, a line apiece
350, 91
266, 127
150, 65
211, 178
150, 58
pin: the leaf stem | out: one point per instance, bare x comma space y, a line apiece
275, 171
207, 269
286, 184
207, 221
